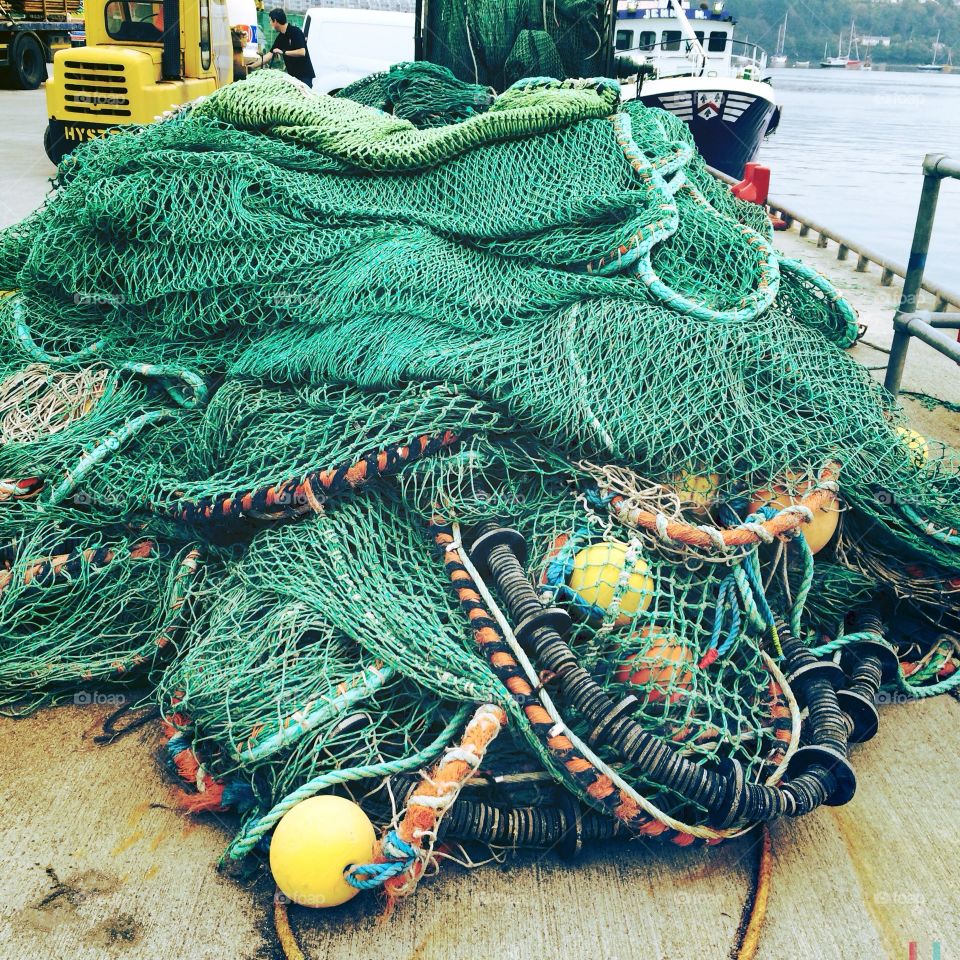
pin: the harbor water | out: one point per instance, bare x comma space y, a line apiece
849, 150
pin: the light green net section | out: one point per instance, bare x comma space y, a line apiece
554, 280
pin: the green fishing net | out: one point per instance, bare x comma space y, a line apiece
497, 42
258, 354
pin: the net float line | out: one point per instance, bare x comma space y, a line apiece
293, 498
786, 521
67, 566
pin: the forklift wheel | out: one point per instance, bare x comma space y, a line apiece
27, 65
55, 149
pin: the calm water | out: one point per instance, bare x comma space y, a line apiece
848, 154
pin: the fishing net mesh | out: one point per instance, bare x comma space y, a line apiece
239, 402
497, 42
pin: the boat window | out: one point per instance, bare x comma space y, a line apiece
648, 39
205, 34
717, 42
699, 35
134, 22
671, 39
624, 39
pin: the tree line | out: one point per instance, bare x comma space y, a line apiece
912, 27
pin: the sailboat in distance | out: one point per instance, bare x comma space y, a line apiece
844, 61
838, 60
779, 58
933, 66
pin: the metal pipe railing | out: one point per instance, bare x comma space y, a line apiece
906, 321
908, 325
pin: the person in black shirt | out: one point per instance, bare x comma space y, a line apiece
291, 42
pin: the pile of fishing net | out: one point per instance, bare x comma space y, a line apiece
496, 449
497, 42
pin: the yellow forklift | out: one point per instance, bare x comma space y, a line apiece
142, 57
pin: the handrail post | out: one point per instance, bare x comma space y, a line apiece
913, 282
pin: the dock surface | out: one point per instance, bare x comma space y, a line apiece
99, 863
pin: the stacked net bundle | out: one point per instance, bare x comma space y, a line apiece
425, 94
368, 435
497, 42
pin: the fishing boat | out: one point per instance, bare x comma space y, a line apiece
689, 62
933, 66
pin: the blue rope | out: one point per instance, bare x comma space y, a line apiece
177, 744
726, 600
367, 876
751, 567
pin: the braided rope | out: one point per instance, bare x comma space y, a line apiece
295, 498
399, 860
786, 521
68, 566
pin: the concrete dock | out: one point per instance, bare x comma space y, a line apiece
99, 863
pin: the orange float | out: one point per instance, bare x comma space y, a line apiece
663, 666
790, 491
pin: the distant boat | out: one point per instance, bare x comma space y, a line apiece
779, 58
802, 64
837, 61
933, 66
841, 61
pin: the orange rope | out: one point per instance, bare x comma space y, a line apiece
140, 551
755, 909
281, 921
434, 796
693, 536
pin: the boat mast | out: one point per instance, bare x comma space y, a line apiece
688, 33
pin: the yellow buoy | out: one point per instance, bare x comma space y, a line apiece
312, 846
791, 490
596, 572
696, 488
916, 443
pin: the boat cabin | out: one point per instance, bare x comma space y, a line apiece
650, 33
